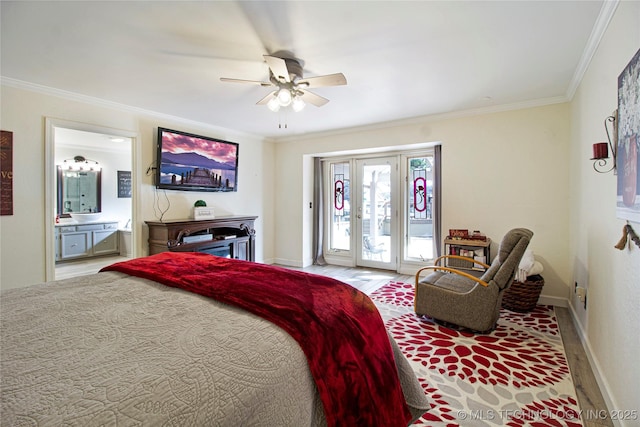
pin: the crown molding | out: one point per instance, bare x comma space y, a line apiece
600, 27
72, 96
429, 118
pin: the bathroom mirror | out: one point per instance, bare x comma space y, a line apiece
79, 191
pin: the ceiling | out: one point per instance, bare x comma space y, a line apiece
81, 140
401, 59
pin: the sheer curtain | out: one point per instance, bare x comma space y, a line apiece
318, 209
437, 196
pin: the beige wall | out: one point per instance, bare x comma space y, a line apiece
23, 235
499, 171
611, 321
525, 168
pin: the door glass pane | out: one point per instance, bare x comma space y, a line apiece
340, 207
376, 212
420, 221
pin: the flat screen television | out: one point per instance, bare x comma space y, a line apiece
195, 163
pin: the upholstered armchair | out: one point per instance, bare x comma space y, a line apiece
457, 297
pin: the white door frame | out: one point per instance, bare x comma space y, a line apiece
50, 183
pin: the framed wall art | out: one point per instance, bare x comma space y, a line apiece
124, 184
6, 173
628, 150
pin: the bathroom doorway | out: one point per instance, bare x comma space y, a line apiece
102, 228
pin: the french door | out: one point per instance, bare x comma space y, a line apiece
376, 213
380, 211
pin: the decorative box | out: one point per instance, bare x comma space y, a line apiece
456, 233
203, 212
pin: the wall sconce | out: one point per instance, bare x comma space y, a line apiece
80, 163
601, 149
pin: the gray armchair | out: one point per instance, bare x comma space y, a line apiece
457, 297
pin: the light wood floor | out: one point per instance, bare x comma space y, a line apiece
82, 267
368, 280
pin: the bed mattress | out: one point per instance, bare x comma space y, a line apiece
112, 349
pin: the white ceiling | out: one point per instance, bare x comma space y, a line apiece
401, 59
78, 139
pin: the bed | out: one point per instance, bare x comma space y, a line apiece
190, 339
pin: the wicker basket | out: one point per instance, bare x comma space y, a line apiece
523, 296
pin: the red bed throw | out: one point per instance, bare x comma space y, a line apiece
338, 327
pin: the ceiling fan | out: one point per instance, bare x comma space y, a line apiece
285, 74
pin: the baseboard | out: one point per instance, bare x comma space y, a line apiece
555, 301
595, 366
287, 262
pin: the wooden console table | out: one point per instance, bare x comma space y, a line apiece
228, 236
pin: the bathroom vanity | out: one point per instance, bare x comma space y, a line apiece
86, 240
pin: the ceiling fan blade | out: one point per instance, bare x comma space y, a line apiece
337, 79
278, 67
263, 84
266, 99
313, 99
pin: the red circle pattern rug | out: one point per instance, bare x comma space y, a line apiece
517, 375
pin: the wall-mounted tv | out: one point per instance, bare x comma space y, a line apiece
195, 163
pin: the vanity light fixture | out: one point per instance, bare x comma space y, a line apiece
81, 163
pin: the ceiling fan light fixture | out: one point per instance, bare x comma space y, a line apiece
274, 104
297, 104
289, 86
284, 97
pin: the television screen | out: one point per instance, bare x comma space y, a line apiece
195, 163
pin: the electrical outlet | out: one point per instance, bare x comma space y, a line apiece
582, 295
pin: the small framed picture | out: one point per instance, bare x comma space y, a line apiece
124, 184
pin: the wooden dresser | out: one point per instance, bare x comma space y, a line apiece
226, 236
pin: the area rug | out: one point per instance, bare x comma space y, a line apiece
516, 375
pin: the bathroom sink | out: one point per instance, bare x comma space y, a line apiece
86, 216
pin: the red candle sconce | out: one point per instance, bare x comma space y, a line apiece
601, 149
